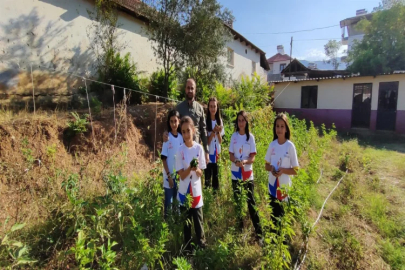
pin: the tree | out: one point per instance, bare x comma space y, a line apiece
186, 33
205, 39
111, 66
332, 50
103, 31
382, 49
166, 18
387, 4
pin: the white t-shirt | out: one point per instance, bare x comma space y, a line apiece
242, 150
192, 184
281, 156
169, 149
215, 147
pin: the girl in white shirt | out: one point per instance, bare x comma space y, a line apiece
281, 163
215, 131
242, 152
190, 163
168, 156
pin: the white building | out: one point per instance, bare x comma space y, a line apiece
348, 27
245, 58
277, 63
55, 33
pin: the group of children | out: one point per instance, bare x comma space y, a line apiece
184, 162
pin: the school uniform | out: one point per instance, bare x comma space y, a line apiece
191, 185
280, 156
243, 177
169, 151
211, 172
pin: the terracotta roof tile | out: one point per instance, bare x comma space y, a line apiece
278, 58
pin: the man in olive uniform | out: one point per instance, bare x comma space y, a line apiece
192, 108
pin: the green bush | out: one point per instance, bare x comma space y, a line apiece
95, 105
157, 86
252, 92
119, 71
79, 125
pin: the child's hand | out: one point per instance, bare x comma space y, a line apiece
171, 182
279, 172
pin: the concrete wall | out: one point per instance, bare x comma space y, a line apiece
243, 57
335, 100
55, 33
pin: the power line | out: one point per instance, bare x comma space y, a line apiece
265, 46
292, 32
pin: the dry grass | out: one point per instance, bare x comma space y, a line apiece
366, 210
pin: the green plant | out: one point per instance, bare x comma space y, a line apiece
182, 264
393, 253
27, 152
157, 86
252, 92
79, 125
95, 105
18, 253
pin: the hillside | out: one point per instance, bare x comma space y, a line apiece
78, 202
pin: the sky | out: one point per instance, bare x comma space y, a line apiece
255, 17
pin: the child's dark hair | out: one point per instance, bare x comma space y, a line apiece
217, 115
283, 117
244, 114
172, 113
188, 120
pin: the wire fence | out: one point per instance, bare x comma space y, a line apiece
39, 87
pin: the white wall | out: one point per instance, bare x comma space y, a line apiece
243, 57
276, 66
336, 93
55, 33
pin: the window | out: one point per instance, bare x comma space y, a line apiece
230, 57
282, 66
253, 67
309, 97
246, 51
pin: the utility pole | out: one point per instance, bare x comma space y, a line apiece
291, 45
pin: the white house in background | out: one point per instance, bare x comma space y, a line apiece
244, 58
277, 63
54, 33
349, 24
347, 101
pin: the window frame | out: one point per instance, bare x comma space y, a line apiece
232, 54
310, 87
253, 67
282, 65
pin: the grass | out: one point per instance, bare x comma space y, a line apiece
90, 210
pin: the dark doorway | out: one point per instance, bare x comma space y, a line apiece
361, 109
387, 105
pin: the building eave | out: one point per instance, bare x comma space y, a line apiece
400, 72
241, 38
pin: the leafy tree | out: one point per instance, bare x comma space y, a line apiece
103, 31
387, 4
187, 32
382, 49
331, 50
166, 18
205, 39
106, 44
